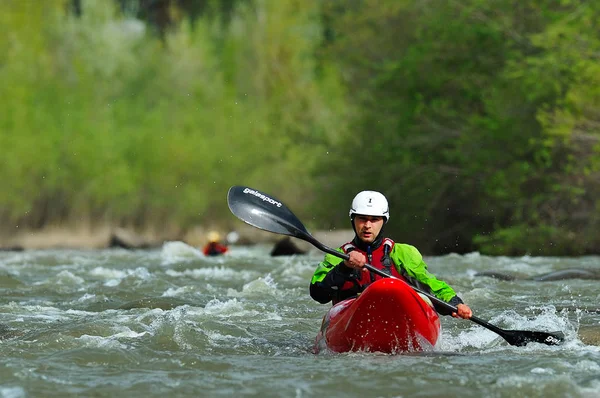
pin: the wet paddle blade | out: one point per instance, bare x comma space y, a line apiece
522, 337
264, 212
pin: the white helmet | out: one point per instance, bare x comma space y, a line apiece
370, 203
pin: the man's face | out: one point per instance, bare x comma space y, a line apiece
368, 227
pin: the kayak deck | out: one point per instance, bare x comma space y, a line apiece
389, 317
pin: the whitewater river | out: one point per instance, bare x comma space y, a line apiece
173, 323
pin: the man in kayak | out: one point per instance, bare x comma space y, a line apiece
336, 279
214, 247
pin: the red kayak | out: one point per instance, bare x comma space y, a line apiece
389, 317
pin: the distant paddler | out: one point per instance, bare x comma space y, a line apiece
214, 247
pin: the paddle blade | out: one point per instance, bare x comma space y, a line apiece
522, 337
264, 212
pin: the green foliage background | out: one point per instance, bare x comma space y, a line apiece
479, 120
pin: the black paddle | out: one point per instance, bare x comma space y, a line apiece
265, 212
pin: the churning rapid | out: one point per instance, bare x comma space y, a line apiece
172, 322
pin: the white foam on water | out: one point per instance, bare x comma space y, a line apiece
140, 274
546, 319
218, 273
217, 338
472, 256
80, 313
235, 309
586, 366
593, 391
526, 267
100, 342
547, 371
12, 392
477, 294
40, 312
229, 308
474, 338
529, 382
128, 333
176, 292
260, 286
107, 273
471, 273
295, 271
153, 314
176, 252
523, 265
546, 384
64, 278
86, 297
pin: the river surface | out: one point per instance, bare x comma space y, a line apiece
173, 323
